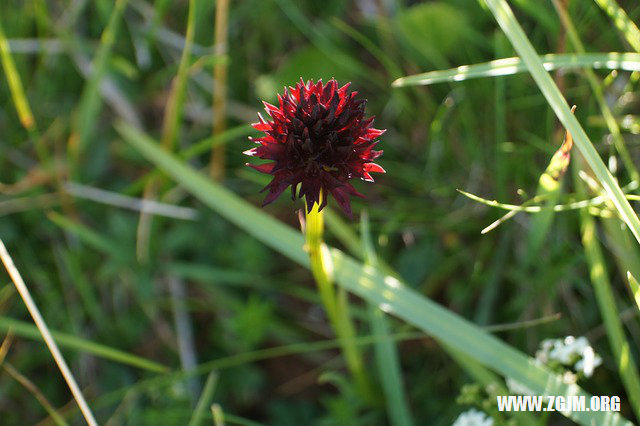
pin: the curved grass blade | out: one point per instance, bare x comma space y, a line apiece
510, 66
23, 329
370, 284
507, 21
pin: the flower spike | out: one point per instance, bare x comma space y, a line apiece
318, 139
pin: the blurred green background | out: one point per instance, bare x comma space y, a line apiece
190, 288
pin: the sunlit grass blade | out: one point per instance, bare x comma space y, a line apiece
515, 65
26, 330
90, 101
15, 84
369, 283
622, 21
635, 288
608, 309
507, 21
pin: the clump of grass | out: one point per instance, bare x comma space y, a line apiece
130, 84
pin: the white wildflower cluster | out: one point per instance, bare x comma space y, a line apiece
571, 352
473, 417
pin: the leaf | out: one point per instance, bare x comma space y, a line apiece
510, 66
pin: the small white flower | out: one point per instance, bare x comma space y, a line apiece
473, 417
590, 360
570, 352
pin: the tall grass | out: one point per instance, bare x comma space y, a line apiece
117, 114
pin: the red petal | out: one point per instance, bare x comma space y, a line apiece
374, 133
373, 167
343, 89
271, 109
263, 168
263, 127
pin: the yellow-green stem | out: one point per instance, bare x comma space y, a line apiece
336, 305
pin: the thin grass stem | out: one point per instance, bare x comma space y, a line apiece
46, 334
218, 159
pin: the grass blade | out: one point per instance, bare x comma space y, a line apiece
170, 128
386, 352
28, 331
598, 92
218, 159
15, 85
205, 399
507, 21
29, 386
635, 288
90, 101
87, 235
549, 188
46, 334
510, 66
370, 284
608, 309
622, 21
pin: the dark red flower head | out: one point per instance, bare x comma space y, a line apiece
318, 139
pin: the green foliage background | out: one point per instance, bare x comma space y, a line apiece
209, 291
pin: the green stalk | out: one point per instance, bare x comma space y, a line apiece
218, 160
336, 305
607, 305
